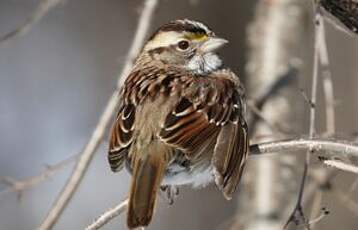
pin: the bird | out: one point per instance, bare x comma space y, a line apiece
181, 119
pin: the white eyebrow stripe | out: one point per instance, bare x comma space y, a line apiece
163, 39
168, 38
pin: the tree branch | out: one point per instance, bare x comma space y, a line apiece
321, 147
327, 81
319, 31
108, 215
19, 186
42, 9
342, 166
98, 133
326, 147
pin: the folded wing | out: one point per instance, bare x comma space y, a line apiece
211, 107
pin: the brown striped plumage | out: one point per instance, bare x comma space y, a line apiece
346, 11
176, 125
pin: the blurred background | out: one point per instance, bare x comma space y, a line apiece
55, 82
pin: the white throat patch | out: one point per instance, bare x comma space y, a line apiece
205, 63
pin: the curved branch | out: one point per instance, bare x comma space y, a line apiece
341, 165
42, 9
19, 186
326, 147
92, 145
108, 215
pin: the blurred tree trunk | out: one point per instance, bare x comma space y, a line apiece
274, 39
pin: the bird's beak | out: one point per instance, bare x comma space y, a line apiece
212, 44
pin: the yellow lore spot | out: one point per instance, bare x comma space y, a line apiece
196, 36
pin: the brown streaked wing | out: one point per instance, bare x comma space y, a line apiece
230, 155
203, 108
141, 84
121, 137
212, 106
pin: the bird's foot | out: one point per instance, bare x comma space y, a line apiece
169, 193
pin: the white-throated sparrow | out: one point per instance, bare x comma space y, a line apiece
181, 118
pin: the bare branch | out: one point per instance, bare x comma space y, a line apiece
312, 127
298, 210
42, 9
307, 99
108, 215
326, 147
19, 186
98, 133
327, 81
341, 165
320, 57
314, 221
315, 209
321, 147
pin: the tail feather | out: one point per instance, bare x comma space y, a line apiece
148, 171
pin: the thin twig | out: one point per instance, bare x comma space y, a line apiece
298, 210
19, 186
320, 147
321, 181
326, 147
306, 98
108, 215
329, 105
316, 208
42, 9
342, 166
318, 21
86, 156
327, 81
314, 221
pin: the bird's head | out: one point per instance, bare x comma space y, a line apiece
188, 44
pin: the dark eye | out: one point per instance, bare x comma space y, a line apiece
183, 45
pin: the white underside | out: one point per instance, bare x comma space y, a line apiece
198, 178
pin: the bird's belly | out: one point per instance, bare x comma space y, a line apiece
197, 177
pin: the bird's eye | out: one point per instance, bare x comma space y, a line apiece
183, 45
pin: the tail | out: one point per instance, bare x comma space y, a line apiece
148, 171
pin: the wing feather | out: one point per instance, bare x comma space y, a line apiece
121, 137
211, 107
229, 157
